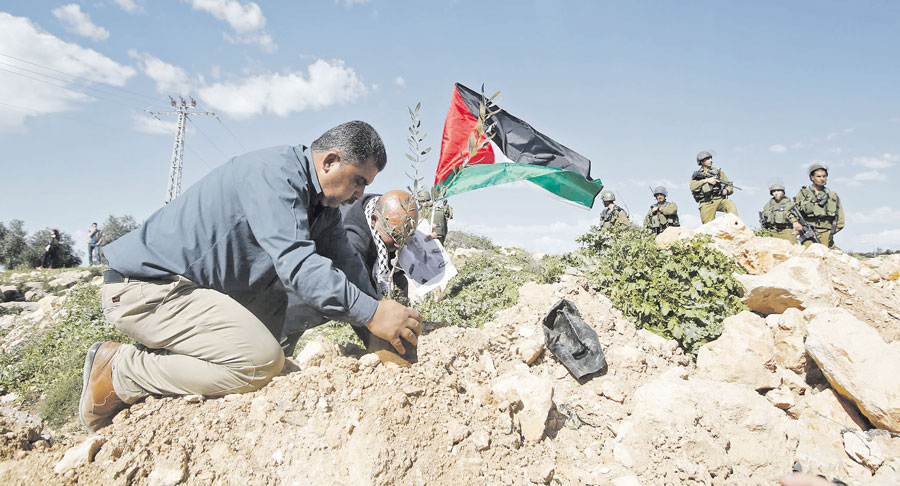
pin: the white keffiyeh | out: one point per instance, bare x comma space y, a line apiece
381, 271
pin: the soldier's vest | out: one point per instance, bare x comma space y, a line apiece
609, 216
707, 192
776, 217
659, 222
441, 215
817, 208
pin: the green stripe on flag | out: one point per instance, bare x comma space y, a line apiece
564, 183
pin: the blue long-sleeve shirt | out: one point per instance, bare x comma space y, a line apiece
254, 229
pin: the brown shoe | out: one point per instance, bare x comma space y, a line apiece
99, 402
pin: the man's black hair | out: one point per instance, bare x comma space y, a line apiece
356, 141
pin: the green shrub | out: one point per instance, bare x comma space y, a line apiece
765, 232
51, 362
461, 239
684, 293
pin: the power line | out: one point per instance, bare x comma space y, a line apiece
39, 112
232, 134
79, 77
207, 137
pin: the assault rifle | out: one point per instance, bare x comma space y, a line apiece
699, 175
808, 232
834, 223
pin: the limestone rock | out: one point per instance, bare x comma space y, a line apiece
790, 334
678, 421
799, 282
540, 474
169, 469
759, 255
80, 454
781, 398
68, 279
822, 417
857, 363
672, 235
862, 449
728, 231
369, 361
534, 392
315, 352
529, 349
744, 353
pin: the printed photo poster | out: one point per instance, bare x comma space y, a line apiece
426, 263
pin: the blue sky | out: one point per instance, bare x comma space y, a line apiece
638, 87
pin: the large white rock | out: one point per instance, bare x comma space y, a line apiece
315, 352
799, 282
536, 394
857, 363
715, 429
672, 235
790, 334
759, 255
744, 353
729, 232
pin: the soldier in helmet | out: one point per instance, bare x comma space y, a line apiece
776, 215
711, 188
613, 215
441, 213
662, 214
820, 207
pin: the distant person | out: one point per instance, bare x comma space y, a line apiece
711, 188
442, 214
663, 214
821, 207
95, 237
776, 215
612, 215
210, 283
51, 251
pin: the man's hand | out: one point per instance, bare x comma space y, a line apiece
392, 321
797, 226
711, 180
433, 235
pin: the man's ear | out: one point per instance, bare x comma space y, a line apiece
331, 161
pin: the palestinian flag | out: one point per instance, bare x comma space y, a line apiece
517, 152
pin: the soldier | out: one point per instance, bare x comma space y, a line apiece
442, 213
613, 215
777, 217
662, 214
820, 206
711, 188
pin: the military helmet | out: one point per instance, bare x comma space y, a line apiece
775, 187
816, 167
703, 156
607, 196
660, 190
424, 195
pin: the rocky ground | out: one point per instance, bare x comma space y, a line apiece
809, 377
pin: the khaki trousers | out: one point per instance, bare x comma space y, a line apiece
193, 341
823, 237
786, 234
708, 209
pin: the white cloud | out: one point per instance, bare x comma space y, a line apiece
21, 38
246, 19
883, 239
834, 135
399, 81
894, 120
169, 79
153, 125
883, 162
860, 178
351, 3
778, 148
324, 84
128, 6
880, 215
79, 22
652, 183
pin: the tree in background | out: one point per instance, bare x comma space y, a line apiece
114, 228
13, 242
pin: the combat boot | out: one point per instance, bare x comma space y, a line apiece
99, 402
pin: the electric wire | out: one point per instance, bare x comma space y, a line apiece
195, 125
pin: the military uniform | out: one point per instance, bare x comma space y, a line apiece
442, 214
661, 216
820, 210
613, 215
777, 217
710, 196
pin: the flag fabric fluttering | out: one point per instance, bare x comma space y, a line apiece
517, 152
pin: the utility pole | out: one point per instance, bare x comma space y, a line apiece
182, 110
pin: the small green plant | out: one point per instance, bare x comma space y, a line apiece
51, 362
765, 232
684, 293
462, 239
